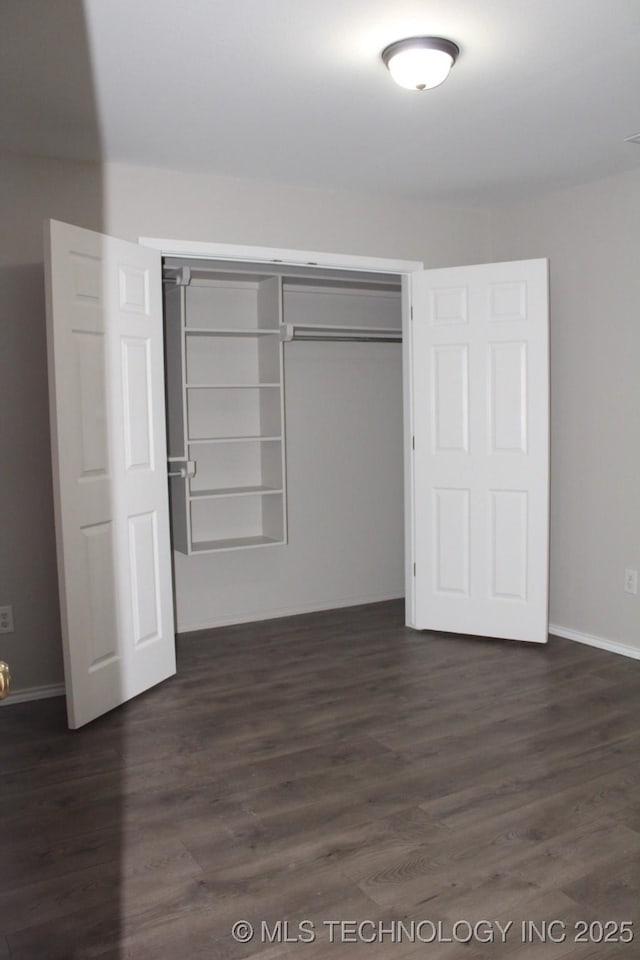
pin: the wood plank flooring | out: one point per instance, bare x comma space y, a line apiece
335, 766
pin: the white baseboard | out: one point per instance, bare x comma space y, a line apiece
33, 693
57, 689
613, 646
284, 612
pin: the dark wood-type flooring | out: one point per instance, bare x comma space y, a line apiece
335, 766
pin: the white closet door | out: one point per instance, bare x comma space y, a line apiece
480, 406
106, 377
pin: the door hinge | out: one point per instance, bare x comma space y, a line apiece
412, 313
413, 443
414, 569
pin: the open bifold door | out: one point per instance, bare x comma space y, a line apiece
106, 382
479, 491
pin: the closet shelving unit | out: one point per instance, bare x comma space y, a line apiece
225, 410
225, 327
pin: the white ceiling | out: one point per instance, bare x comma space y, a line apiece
542, 96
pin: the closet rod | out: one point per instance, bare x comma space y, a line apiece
326, 331
352, 339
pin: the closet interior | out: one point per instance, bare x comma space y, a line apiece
228, 327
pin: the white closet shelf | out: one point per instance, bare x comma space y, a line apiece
229, 332
237, 543
230, 386
233, 492
248, 439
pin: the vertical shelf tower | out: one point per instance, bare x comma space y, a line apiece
225, 400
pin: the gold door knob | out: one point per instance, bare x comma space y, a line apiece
5, 679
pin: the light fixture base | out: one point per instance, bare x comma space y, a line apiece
420, 63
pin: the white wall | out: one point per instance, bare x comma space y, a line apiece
30, 190
592, 236
197, 206
129, 201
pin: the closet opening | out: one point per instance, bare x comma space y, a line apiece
284, 402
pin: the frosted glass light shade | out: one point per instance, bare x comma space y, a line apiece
420, 63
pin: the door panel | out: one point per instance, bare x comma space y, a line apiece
480, 467
106, 382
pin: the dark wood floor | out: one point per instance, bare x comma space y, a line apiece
335, 766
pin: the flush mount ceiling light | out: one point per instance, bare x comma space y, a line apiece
420, 63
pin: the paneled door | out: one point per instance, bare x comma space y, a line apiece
106, 382
479, 398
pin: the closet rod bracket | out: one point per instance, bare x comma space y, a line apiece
180, 277
186, 469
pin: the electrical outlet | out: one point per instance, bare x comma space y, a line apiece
630, 581
6, 619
